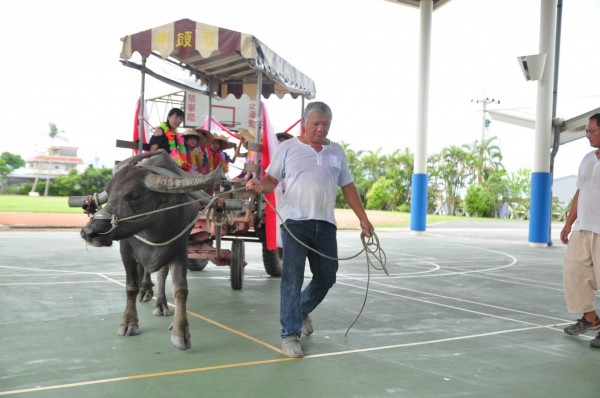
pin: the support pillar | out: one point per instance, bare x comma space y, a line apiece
541, 178
418, 209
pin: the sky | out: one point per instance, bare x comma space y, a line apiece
61, 65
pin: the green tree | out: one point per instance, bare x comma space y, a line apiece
90, 181
483, 159
93, 180
53, 134
68, 185
479, 201
399, 167
378, 197
354, 164
519, 191
8, 163
372, 167
452, 174
497, 185
367, 167
435, 192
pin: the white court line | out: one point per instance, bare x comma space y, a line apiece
528, 283
518, 278
427, 342
513, 261
61, 271
455, 307
263, 362
49, 283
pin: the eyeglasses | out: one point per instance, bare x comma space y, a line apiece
592, 131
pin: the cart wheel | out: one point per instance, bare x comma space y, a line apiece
272, 260
236, 267
196, 264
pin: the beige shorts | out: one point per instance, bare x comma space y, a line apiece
580, 277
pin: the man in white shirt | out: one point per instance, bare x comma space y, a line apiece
581, 275
312, 168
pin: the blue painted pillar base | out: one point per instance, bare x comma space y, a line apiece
540, 207
418, 207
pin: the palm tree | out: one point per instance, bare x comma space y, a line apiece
453, 174
53, 133
399, 166
484, 158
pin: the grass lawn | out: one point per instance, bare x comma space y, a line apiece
346, 218
36, 204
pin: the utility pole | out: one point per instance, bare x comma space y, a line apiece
484, 121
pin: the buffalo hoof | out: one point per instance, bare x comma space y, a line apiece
128, 331
181, 342
145, 295
161, 310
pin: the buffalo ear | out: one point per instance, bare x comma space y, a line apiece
136, 159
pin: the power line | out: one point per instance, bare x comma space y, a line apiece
485, 122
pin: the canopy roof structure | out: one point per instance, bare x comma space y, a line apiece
225, 60
417, 3
570, 129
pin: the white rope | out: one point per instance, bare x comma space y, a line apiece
116, 220
376, 252
190, 225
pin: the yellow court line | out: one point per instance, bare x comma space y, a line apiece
267, 345
145, 376
236, 365
220, 325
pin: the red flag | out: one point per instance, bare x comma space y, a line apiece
136, 125
269, 142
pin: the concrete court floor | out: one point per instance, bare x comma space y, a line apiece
469, 310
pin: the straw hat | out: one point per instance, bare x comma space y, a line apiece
248, 134
204, 137
223, 141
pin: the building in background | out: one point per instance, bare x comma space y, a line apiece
58, 162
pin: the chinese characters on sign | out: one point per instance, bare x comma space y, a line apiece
192, 109
252, 114
184, 39
230, 112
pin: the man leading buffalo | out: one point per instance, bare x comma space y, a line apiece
311, 167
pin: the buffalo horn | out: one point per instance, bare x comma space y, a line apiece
161, 183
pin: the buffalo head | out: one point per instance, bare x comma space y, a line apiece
136, 194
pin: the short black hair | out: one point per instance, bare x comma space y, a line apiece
596, 117
175, 111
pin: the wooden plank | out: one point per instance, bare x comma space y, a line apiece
131, 145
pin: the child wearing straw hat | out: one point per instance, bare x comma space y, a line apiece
216, 153
194, 140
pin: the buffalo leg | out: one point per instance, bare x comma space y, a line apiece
161, 308
129, 324
146, 292
180, 328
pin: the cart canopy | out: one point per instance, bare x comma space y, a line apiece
223, 59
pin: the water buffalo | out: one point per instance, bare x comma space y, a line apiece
152, 205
